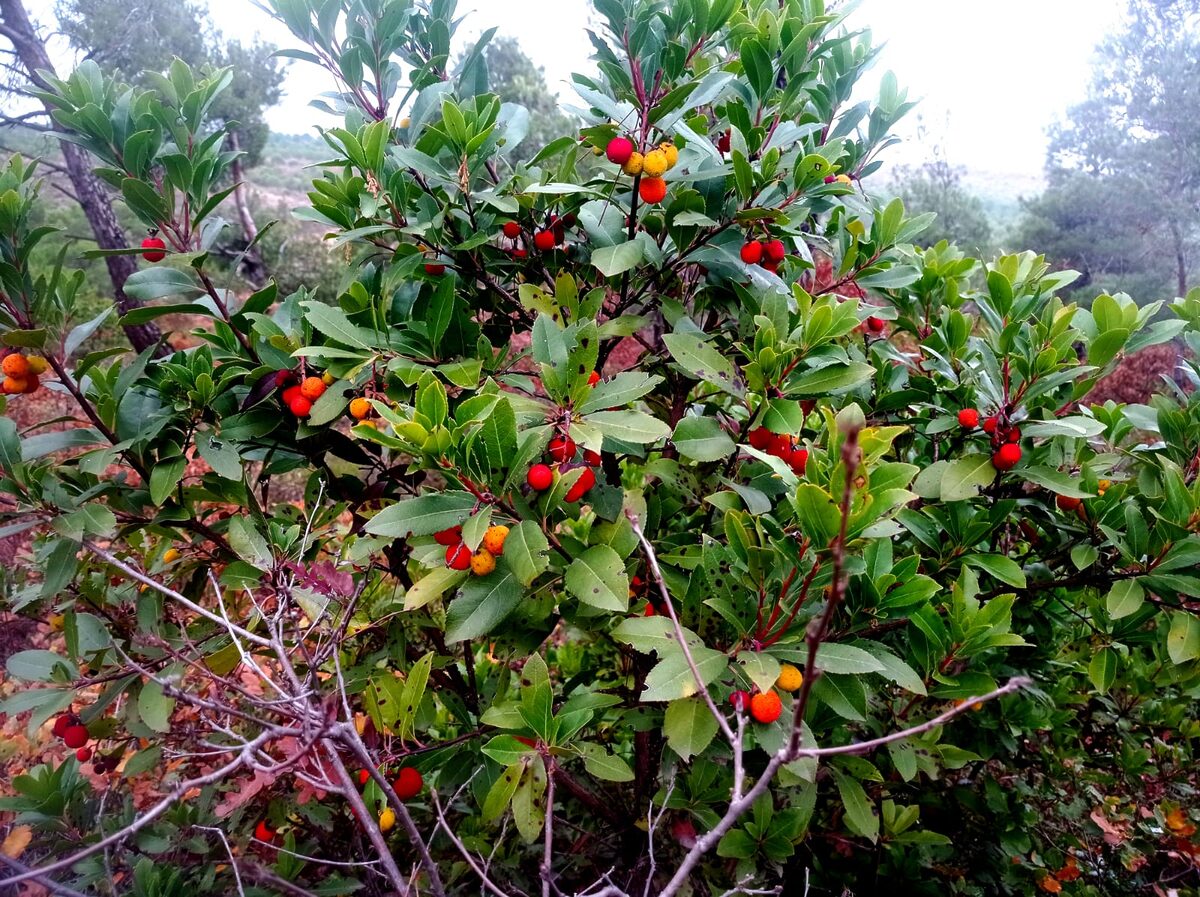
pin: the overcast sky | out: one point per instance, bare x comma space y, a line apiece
991, 74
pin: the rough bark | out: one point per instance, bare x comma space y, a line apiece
31, 51
254, 269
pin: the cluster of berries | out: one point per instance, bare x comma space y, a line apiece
766, 706
545, 239
459, 556
299, 397
74, 735
785, 448
1006, 440
561, 450
650, 166
768, 253
21, 373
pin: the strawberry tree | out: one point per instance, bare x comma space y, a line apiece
648, 517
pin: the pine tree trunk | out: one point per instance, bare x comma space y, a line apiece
92, 199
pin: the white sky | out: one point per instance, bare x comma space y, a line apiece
991, 74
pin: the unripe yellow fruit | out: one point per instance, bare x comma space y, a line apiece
57, 622
843, 179
483, 562
405, 122
790, 678
37, 364
655, 164
493, 539
387, 819
671, 152
597, 151
170, 555
328, 379
1103, 486
633, 165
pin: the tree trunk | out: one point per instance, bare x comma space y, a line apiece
95, 203
1180, 259
255, 269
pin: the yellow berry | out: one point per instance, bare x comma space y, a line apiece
597, 151
790, 678
170, 555
493, 539
405, 122
671, 152
328, 379
843, 179
368, 423
483, 562
360, 408
37, 364
633, 165
1102, 486
654, 164
387, 819
57, 621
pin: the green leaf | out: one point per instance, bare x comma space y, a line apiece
1124, 598
158, 283
526, 551
410, 699
1077, 426
222, 457
1004, 569
689, 726
603, 765
164, 477
333, 323
1102, 669
830, 380
672, 679
597, 578
860, 812
528, 803
620, 389
249, 544
1054, 480
1183, 639
838, 658
422, 516
150, 312
761, 669
702, 439
614, 260
964, 477
484, 603
629, 426
154, 707
435, 584
704, 362
501, 792
39, 666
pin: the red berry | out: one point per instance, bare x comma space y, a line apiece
775, 251
582, 485
723, 143
740, 700
561, 449
540, 477
520, 253
619, 150
1007, 456
652, 190
511, 229
593, 378
569, 219
451, 536
1066, 503
84, 754
408, 783
875, 325
649, 611
771, 266
1013, 435
766, 707
458, 557
544, 240
798, 461
283, 378
75, 736
968, 418
831, 179
300, 406
152, 249
435, 269
290, 393
264, 832
62, 723
781, 446
752, 252
760, 438
590, 458
990, 424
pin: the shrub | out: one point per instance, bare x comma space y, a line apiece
621, 564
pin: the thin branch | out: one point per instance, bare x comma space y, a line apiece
547, 869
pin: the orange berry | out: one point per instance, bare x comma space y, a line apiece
483, 562
360, 408
493, 539
13, 386
652, 190
765, 707
15, 365
312, 388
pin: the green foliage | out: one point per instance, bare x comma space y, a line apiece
766, 468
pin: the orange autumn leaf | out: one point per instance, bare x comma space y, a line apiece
16, 842
1049, 884
1179, 824
1069, 871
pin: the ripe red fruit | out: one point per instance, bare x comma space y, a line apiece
723, 143
582, 485
292, 392
990, 424
408, 783
968, 418
765, 707
451, 536
300, 406
760, 438
1007, 456
561, 449
649, 611
435, 269
84, 754
652, 190
593, 378
511, 229
1066, 503
591, 459
61, 724
875, 325
752, 252
771, 266
75, 736
740, 700
798, 461
619, 150
774, 250
363, 777
569, 219
1013, 435
781, 446
540, 477
152, 249
520, 253
544, 240
458, 557
264, 832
